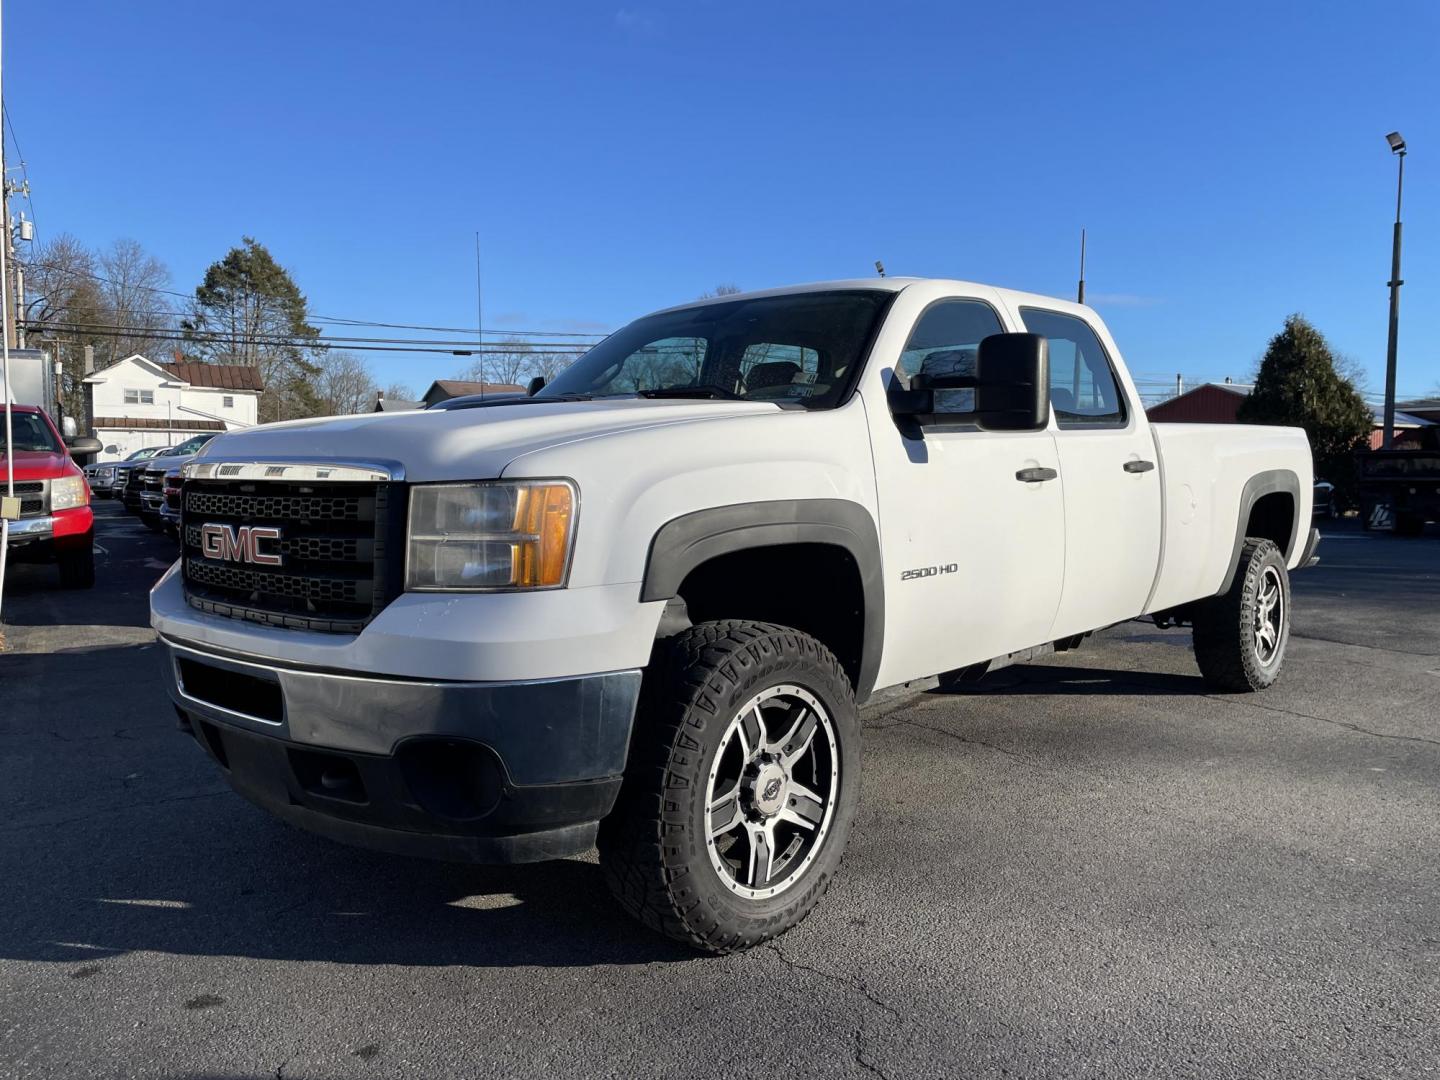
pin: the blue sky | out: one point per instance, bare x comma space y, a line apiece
1227, 159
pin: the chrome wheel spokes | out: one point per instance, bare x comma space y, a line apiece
1269, 615
772, 791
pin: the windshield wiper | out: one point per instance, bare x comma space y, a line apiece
707, 390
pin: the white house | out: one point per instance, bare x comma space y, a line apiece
137, 402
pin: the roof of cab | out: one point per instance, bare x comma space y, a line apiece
889, 284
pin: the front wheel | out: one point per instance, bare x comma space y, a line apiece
743, 779
1240, 636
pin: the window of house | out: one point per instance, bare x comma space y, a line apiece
227, 402
1083, 388
946, 341
139, 397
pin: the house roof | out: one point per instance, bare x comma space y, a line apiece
240, 377
145, 423
449, 388
1208, 403
218, 376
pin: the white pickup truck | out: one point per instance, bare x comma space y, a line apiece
638, 608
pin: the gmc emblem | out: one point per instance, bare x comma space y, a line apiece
239, 543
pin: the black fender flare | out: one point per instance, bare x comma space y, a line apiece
683, 543
1269, 482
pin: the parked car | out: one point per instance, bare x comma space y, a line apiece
107, 477
151, 484
430, 634
170, 504
53, 521
1324, 504
128, 477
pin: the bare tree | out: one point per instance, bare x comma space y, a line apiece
63, 307
728, 289
400, 392
133, 284
344, 385
511, 360
550, 364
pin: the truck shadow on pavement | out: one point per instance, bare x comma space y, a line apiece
1054, 679
117, 835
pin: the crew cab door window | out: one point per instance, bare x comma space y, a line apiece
973, 554
1112, 510
1083, 388
945, 342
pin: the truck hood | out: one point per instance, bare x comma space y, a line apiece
35, 465
463, 444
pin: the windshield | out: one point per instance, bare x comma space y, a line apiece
803, 348
31, 434
190, 446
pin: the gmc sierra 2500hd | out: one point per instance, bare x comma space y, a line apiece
638, 608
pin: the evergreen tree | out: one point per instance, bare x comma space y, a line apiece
1298, 386
249, 310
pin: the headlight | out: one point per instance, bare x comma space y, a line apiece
502, 534
68, 492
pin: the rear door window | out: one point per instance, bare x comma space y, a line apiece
1083, 389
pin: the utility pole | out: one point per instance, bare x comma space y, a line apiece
479, 320
1397, 147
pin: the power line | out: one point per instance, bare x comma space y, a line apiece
220, 338
325, 319
297, 340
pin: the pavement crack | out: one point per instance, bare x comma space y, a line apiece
860, 1058
962, 739
848, 982
1356, 728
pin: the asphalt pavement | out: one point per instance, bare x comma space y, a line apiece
1090, 866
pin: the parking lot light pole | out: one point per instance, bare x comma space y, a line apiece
1397, 147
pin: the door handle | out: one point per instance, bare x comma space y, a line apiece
1035, 476
1139, 466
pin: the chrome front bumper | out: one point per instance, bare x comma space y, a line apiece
34, 528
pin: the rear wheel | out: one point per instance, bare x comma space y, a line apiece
1240, 637
77, 567
743, 780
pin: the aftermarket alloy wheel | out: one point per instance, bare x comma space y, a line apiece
743, 780
1240, 636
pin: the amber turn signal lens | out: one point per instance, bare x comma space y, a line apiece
543, 515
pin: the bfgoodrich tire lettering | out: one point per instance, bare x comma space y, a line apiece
1240, 636
656, 847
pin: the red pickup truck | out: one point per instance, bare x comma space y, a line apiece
55, 522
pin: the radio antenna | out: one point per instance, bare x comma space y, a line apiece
1081, 298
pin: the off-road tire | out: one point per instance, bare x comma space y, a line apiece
1225, 645
653, 846
77, 568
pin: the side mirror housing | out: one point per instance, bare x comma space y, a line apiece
83, 445
535, 385
1011, 388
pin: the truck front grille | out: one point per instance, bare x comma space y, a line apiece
336, 545
31, 494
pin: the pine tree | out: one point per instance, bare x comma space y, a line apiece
1298, 386
249, 310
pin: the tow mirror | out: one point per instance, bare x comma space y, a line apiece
1011, 388
536, 385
